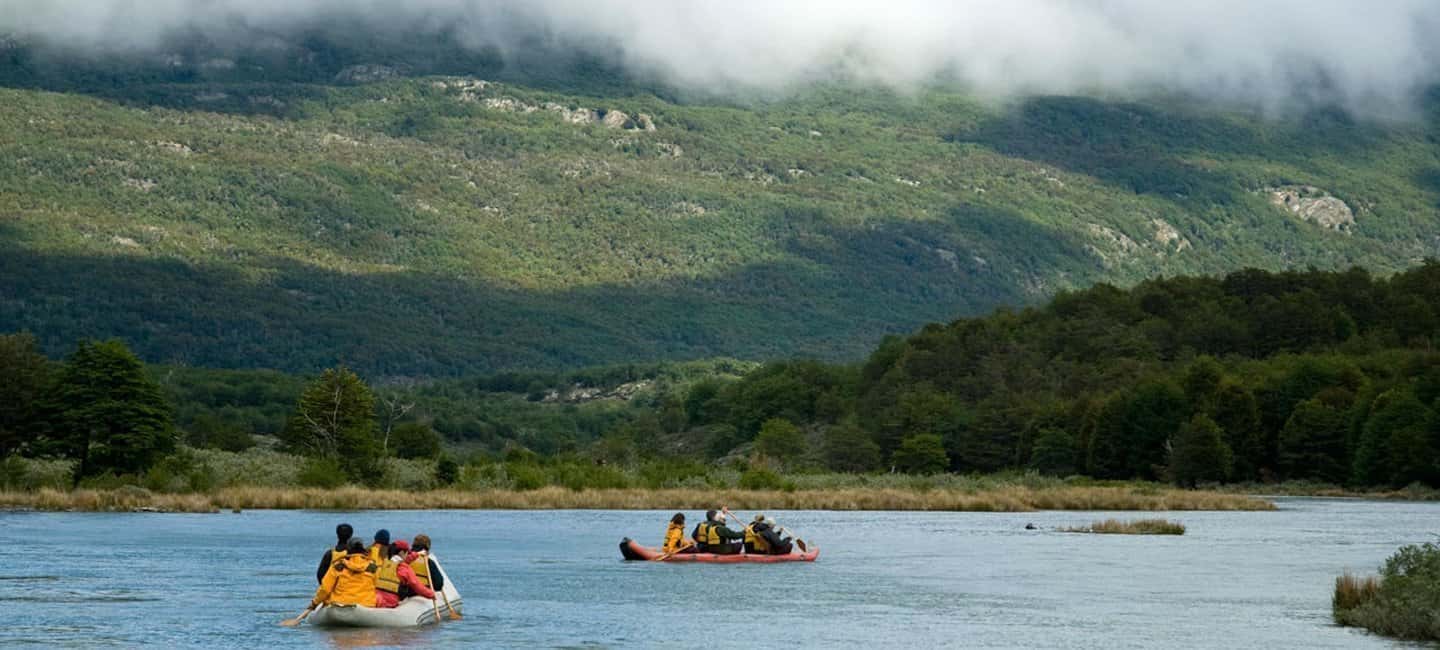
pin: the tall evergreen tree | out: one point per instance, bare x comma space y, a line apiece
107, 413
1312, 444
1394, 444
24, 378
335, 420
1053, 452
1199, 453
849, 448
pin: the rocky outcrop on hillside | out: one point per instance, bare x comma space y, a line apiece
579, 394
366, 73
1168, 237
610, 119
1314, 205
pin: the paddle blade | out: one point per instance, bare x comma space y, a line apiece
455, 616
290, 622
801, 544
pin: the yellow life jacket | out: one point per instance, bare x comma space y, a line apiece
710, 535
378, 552
755, 540
387, 576
421, 567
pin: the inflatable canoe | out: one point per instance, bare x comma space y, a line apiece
412, 612
632, 550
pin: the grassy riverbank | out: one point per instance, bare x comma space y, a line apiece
999, 499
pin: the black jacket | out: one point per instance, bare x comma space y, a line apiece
325, 562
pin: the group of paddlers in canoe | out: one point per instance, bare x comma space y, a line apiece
381, 584
713, 540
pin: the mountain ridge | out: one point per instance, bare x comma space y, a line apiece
443, 225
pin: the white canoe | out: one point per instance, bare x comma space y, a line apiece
412, 612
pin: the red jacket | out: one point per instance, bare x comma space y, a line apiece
407, 579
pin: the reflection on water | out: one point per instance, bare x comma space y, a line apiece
548, 579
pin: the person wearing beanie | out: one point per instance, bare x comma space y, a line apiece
715, 537
381, 545
351, 579
343, 533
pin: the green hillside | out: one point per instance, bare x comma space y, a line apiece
436, 225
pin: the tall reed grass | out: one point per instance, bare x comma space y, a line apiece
1352, 591
1135, 527
999, 499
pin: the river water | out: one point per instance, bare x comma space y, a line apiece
555, 579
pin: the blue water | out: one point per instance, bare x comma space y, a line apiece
555, 579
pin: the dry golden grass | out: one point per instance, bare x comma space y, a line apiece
1352, 591
1135, 527
1001, 499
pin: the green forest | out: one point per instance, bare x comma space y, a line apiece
1328, 377
458, 215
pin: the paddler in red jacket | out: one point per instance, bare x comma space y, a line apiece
395, 577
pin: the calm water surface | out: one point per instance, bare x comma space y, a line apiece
555, 579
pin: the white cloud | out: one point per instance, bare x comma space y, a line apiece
1366, 55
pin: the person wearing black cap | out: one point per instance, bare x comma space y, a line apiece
714, 536
380, 547
342, 535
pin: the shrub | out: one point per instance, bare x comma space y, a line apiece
526, 476
401, 474
781, 440
17, 473
447, 471
580, 476
672, 473
322, 473
415, 440
1406, 601
921, 454
254, 467
759, 478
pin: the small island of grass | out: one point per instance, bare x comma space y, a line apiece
1135, 527
1402, 602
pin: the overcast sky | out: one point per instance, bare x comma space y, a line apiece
1368, 55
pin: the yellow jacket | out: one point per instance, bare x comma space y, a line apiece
674, 537
350, 581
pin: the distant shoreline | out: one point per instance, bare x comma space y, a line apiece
999, 499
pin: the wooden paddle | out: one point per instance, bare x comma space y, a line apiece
684, 545
454, 615
435, 602
295, 622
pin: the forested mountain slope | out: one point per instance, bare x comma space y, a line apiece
441, 224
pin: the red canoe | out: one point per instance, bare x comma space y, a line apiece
632, 550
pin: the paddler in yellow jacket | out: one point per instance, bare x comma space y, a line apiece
351, 579
380, 548
675, 541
